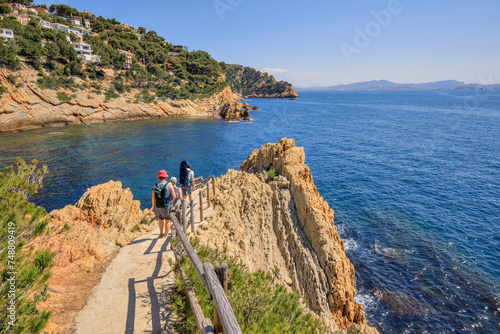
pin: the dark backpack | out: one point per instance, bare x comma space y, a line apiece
162, 199
184, 178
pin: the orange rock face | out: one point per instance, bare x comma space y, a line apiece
27, 106
316, 262
104, 218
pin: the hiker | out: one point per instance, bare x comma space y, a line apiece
163, 194
178, 195
186, 179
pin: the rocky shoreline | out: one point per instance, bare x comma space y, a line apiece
269, 215
27, 106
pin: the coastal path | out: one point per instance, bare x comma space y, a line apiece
134, 293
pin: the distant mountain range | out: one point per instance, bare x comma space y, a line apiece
387, 85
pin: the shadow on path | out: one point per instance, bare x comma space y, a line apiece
159, 301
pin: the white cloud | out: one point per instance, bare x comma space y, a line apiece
305, 78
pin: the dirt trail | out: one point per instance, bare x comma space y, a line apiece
134, 293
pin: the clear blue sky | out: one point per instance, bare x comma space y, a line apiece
319, 42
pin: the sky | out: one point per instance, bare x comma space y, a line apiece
330, 42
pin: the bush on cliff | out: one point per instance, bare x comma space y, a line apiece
24, 271
8, 56
260, 306
181, 75
4, 9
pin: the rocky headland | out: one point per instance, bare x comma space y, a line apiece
253, 83
269, 215
26, 105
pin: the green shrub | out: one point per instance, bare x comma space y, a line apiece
120, 87
20, 223
260, 306
11, 79
62, 96
110, 94
271, 174
3, 90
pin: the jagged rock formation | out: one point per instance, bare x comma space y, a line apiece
253, 83
105, 218
30, 106
286, 224
233, 110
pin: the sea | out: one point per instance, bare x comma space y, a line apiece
413, 178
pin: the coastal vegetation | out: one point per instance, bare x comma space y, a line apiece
260, 305
253, 83
138, 58
24, 269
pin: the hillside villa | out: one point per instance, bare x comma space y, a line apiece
128, 62
7, 34
84, 52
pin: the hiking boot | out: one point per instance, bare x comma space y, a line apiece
160, 236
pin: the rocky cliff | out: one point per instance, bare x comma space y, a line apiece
253, 83
86, 237
105, 218
25, 105
269, 215
284, 223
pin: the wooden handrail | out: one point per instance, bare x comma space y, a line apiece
190, 251
210, 282
226, 313
202, 190
204, 325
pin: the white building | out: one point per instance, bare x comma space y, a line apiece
77, 21
45, 24
76, 32
7, 34
62, 27
89, 58
84, 51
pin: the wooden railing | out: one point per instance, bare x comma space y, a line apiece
185, 216
215, 283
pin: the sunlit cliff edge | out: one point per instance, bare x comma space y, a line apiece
267, 222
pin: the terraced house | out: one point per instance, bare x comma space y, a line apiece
7, 34
128, 62
84, 52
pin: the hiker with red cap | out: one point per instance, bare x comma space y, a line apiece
163, 195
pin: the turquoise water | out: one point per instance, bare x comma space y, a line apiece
413, 177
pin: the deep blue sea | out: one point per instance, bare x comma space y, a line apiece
413, 177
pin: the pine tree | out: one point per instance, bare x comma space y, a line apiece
24, 271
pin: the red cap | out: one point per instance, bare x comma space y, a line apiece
163, 173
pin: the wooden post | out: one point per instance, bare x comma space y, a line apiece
184, 225
203, 325
192, 215
221, 269
213, 185
178, 215
208, 196
219, 298
201, 207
